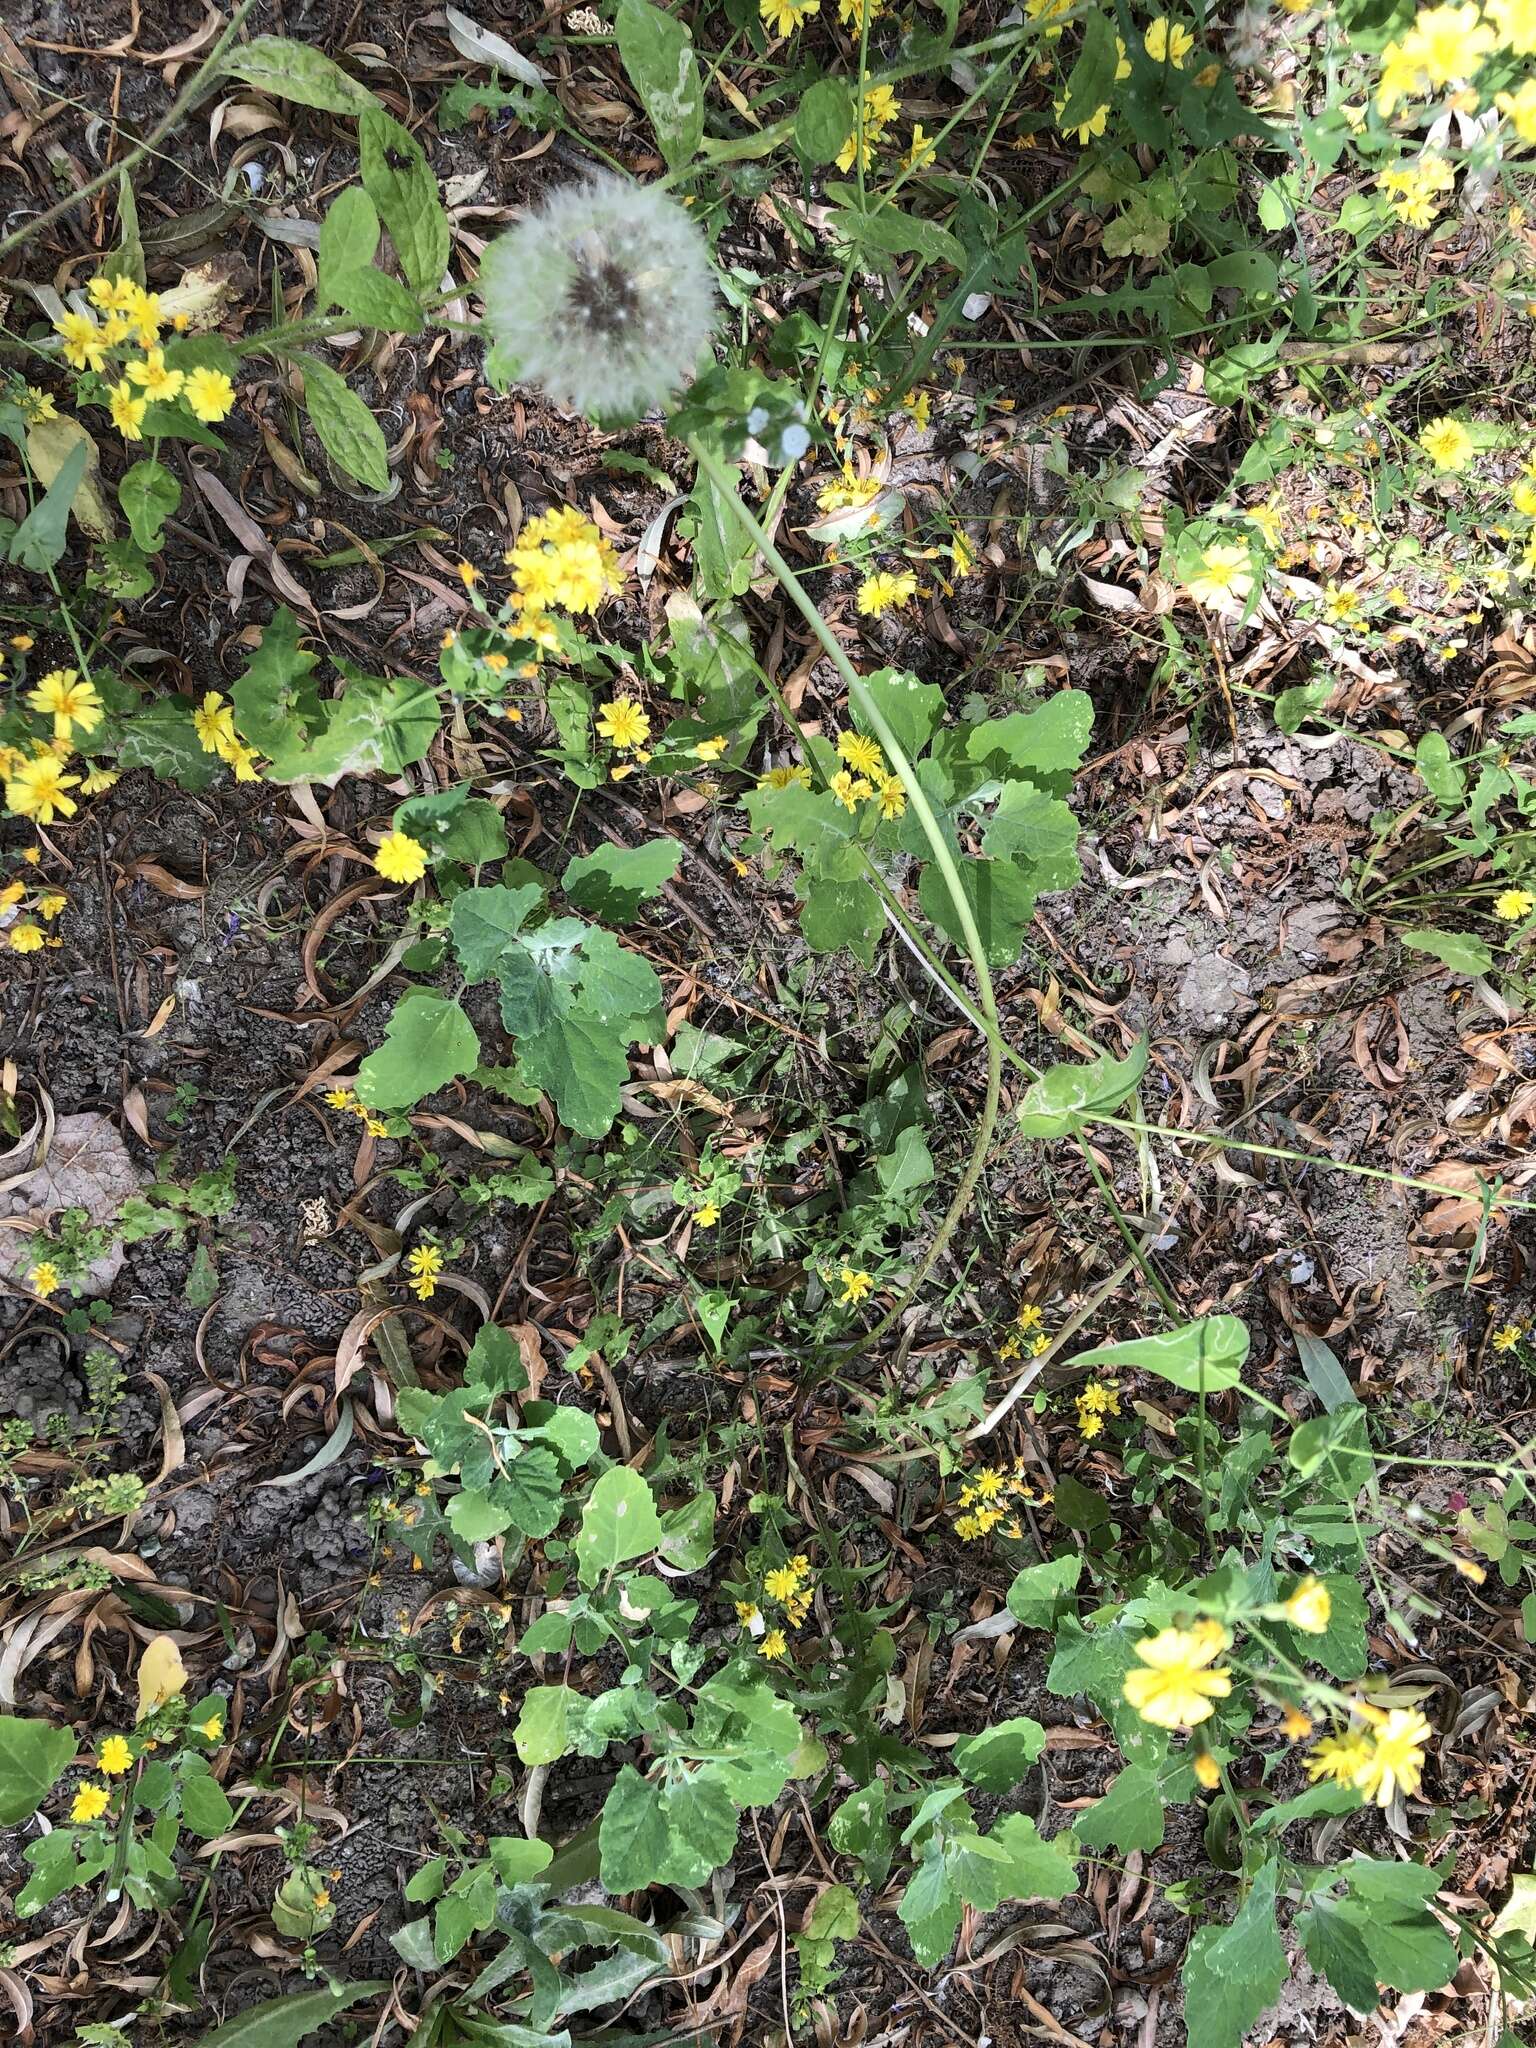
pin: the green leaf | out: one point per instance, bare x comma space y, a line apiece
1091, 82
1341, 1648
428, 1042
379, 726
1037, 1590
1441, 772
890, 232
1038, 833
350, 434
1232, 1973
486, 922
453, 825
823, 120
543, 1732
1408, 1947
204, 1807
1293, 707
688, 1533
859, 1828
349, 235
838, 914
38, 541
701, 1820
162, 738
835, 1915
1033, 1869
657, 53
276, 701
1208, 1354
1460, 951
1002, 900
1129, 1816
148, 494
1046, 745
1335, 1946
633, 1835
376, 300
912, 709
297, 71
998, 1758
619, 1522
399, 181
516, 1860
1066, 1098
612, 882
284, 2022
34, 1755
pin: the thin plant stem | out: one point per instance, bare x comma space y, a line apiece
944, 860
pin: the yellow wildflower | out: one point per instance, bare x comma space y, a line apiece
209, 395
1176, 1685
26, 937
856, 1284
1507, 1336
860, 753
1168, 42
115, 1757
85, 346
155, 378
773, 1645
623, 724
1513, 904
1396, 1759
424, 1264
1309, 1607
127, 411
214, 723
36, 790
400, 858
90, 1803
1447, 444
785, 16
1225, 576
69, 700
884, 592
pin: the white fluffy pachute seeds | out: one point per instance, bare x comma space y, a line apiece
603, 297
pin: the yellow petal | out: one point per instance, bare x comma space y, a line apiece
162, 1675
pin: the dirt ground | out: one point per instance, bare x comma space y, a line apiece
216, 955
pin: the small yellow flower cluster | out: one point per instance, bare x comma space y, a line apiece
346, 1099
1415, 189
850, 493
36, 785
1029, 1334
1380, 1759
33, 908
881, 107
214, 724
886, 591
561, 562
45, 1278
991, 1499
1097, 1400
865, 777
856, 1283
792, 1587
132, 316
424, 1264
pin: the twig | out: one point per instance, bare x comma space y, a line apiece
179, 106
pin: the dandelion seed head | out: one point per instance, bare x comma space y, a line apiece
602, 297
